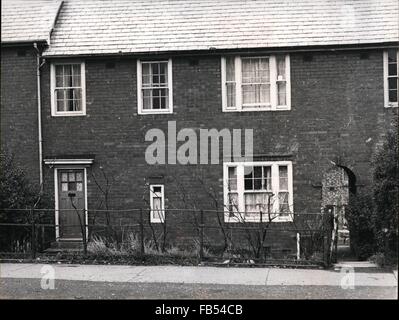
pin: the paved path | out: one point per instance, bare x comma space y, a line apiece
203, 275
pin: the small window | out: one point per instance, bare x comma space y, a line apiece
255, 190
391, 82
256, 83
68, 89
154, 85
157, 203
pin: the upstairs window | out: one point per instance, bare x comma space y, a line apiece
254, 189
154, 85
68, 89
157, 203
391, 82
256, 83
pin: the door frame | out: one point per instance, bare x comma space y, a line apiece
57, 225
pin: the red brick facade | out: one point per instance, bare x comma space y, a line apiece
337, 114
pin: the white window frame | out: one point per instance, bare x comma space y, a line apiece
140, 109
241, 190
54, 111
155, 195
273, 85
388, 104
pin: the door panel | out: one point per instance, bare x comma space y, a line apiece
71, 202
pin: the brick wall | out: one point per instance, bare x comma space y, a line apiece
19, 134
337, 115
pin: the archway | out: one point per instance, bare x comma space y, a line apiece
338, 185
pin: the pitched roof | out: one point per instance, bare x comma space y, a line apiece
138, 26
27, 21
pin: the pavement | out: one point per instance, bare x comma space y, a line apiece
364, 281
363, 275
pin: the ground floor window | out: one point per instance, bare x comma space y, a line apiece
253, 191
157, 203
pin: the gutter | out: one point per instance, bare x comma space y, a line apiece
215, 51
39, 64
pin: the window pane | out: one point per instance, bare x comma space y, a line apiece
232, 179
248, 71
233, 202
73, 99
231, 94
264, 93
393, 95
156, 189
257, 178
248, 94
280, 67
163, 73
64, 186
60, 105
283, 175
256, 202
71, 186
64, 176
281, 94
392, 69
264, 72
60, 99
248, 178
59, 76
71, 176
392, 55
284, 208
79, 176
147, 98
393, 83
68, 76
255, 70
79, 186
76, 75
256, 93
157, 212
146, 74
230, 69
267, 176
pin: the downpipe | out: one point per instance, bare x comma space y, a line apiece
39, 64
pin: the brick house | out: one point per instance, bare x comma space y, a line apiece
316, 81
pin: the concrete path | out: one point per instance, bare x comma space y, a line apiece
203, 275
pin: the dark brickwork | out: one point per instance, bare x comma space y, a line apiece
19, 108
337, 115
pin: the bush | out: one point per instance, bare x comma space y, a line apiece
16, 191
385, 194
360, 220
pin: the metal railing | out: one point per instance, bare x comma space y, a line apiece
27, 232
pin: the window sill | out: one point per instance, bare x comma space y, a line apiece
228, 219
258, 109
156, 221
392, 105
69, 114
168, 111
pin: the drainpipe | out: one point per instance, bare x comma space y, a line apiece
39, 114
